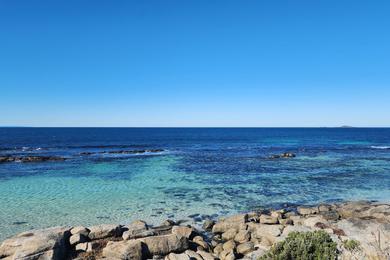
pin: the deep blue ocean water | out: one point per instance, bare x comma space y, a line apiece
209, 171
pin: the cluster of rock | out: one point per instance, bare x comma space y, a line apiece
125, 152
244, 236
283, 155
24, 159
41, 158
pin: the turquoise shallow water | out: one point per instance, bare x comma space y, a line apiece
201, 171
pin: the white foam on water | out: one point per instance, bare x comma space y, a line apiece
383, 147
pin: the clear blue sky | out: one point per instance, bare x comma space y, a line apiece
195, 63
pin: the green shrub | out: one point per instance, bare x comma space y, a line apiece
316, 245
351, 245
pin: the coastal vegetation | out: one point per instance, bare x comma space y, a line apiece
316, 245
351, 244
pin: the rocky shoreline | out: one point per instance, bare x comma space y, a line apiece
361, 230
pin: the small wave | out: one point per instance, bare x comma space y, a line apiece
383, 147
23, 148
123, 146
127, 152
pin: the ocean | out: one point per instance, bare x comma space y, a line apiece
116, 175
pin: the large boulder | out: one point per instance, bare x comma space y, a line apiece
357, 209
229, 245
183, 231
218, 249
296, 220
173, 256
245, 248
380, 212
229, 234
137, 229
265, 219
307, 210
314, 220
193, 255
50, 243
123, 250
104, 231
206, 255
227, 255
331, 215
242, 236
127, 235
165, 244
324, 207
259, 252
235, 222
80, 230
267, 232
198, 240
364, 210
136, 226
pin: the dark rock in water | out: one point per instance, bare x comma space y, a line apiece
19, 222
102, 217
41, 158
288, 155
283, 155
217, 205
155, 151
86, 153
193, 215
30, 158
6, 159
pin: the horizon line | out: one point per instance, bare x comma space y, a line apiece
194, 126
